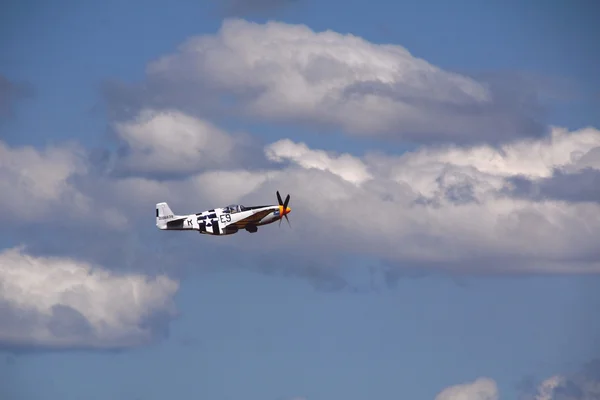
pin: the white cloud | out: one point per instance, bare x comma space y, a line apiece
169, 141
283, 72
36, 184
444, 208
345, 166
441, 207
480, 389
531, 158
65, 303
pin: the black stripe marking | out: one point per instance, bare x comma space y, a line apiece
215, 225
156, 212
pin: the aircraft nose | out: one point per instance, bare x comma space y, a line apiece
288, 210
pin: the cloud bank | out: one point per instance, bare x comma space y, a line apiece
448, 207
451, 208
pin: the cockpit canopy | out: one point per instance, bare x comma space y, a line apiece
234, 208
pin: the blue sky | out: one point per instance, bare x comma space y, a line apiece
245, 332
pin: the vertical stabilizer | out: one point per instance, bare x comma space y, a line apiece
164, 214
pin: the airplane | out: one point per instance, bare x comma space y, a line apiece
225, 220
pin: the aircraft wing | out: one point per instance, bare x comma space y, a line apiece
254, 218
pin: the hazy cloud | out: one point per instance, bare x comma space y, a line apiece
10, 93
583, 384
168, 143
38, 185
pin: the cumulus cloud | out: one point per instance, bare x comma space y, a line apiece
290, 73
39, 185
480, 389
448, 207
59, 302
345, 166
169, 142
470, 204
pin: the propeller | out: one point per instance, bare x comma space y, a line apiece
284, 210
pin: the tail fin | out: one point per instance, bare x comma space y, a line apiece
164, 214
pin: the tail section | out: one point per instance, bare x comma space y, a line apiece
164, 214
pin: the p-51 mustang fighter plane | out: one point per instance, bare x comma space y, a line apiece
223, 221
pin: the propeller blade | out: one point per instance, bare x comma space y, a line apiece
287, 200
283, 205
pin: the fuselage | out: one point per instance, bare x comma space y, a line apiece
224, 220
